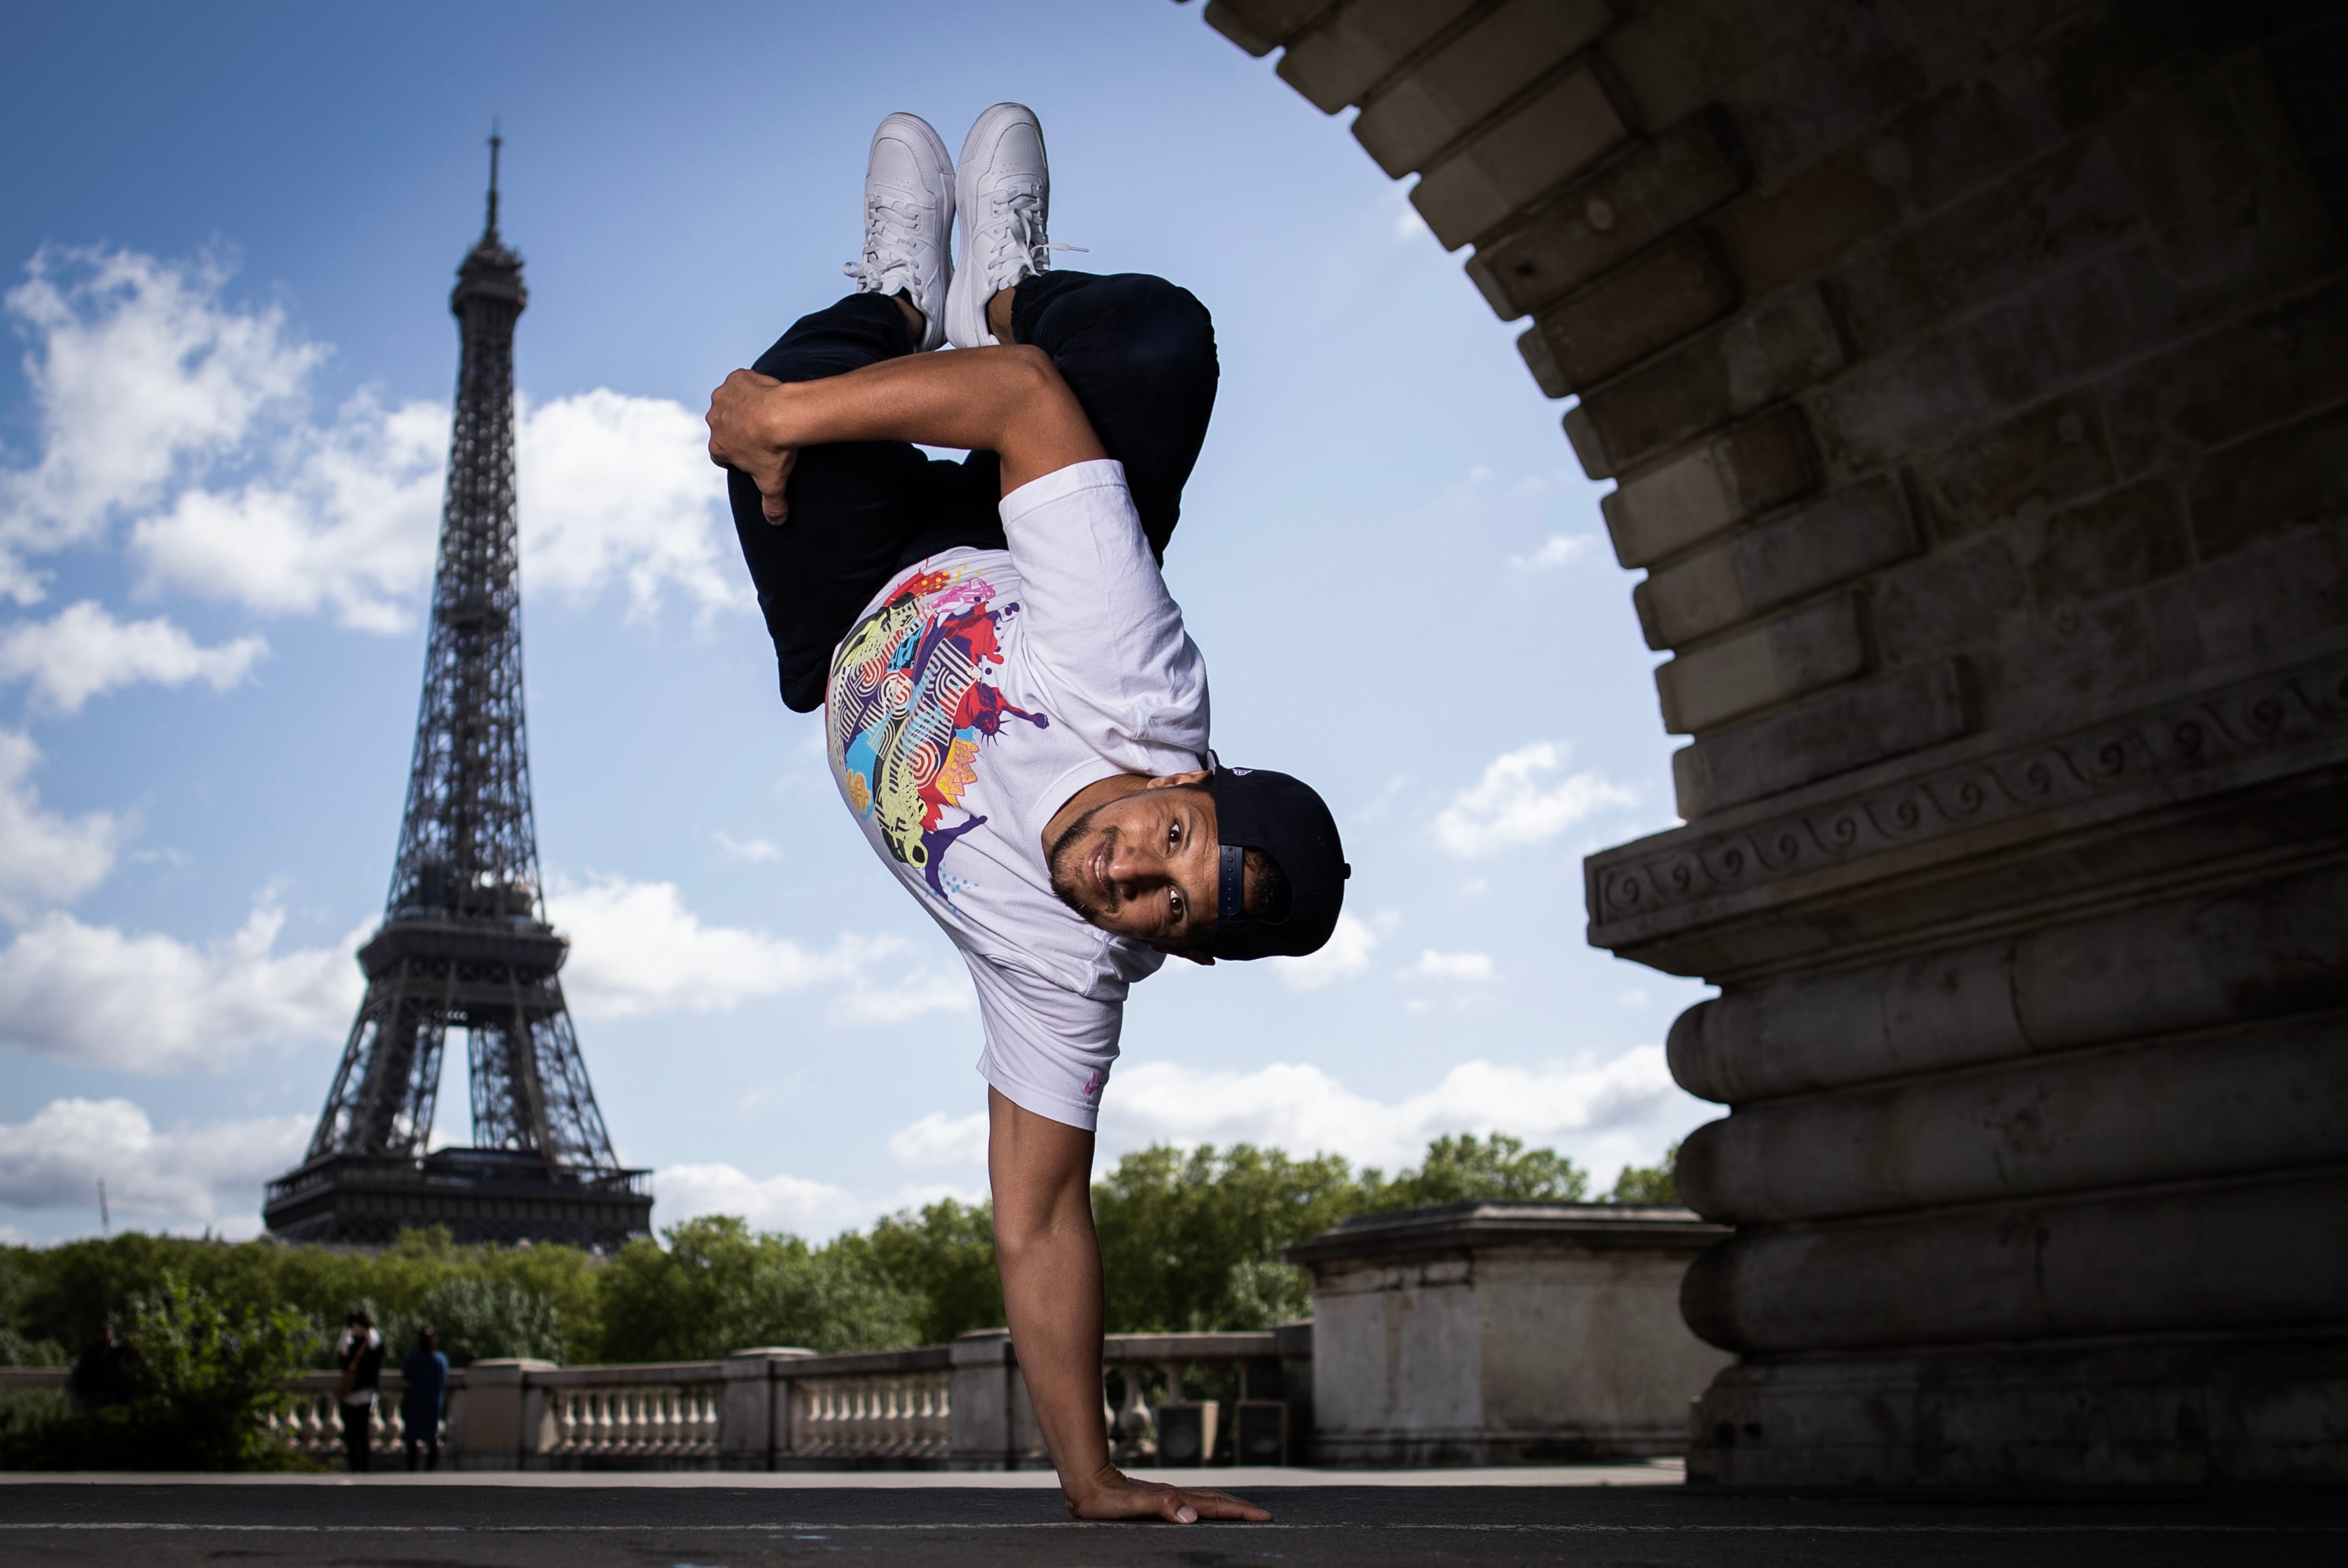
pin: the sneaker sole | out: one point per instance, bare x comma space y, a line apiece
965, 306
925, 140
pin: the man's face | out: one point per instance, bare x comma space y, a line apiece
1146, 865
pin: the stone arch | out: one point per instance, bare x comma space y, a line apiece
1973, 376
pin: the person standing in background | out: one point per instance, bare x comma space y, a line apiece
425, 1374
101, 1373
360, 1352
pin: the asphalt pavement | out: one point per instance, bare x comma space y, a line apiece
146, 1524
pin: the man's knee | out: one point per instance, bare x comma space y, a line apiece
1128, 324
1164, 332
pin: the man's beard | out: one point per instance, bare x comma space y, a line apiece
1067, 884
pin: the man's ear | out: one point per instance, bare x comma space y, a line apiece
1179, 781
1206, 959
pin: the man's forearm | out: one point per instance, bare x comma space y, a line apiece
1050, 1260
1006, 400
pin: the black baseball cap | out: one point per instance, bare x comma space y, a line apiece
1286, 817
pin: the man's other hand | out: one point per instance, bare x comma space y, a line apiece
740, 438
1113, 1494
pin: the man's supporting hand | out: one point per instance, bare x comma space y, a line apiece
1113, 1494
742, 435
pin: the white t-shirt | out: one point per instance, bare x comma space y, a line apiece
979, 691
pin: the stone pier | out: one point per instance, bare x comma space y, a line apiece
1973, 379
1504, 1333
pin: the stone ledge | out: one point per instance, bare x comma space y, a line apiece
2229, 1103
2245, 1253
1770, 351
2203, 961
1654, 301
1655, 187
1465, 77
1451, 1227
2270, 726
1838, 732
1544, 141
1761, 666
1683, 501
2164, 1413
1260, 27
1832, 540
1350, 48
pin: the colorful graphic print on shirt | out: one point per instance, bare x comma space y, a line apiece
913, 702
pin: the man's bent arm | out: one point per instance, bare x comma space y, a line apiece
1050, 1258
1008, 400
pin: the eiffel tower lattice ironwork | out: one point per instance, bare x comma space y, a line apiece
464, 943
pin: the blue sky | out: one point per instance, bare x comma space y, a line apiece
227, 241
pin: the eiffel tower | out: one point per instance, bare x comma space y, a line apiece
465, 942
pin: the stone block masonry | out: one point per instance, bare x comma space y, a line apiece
1973, 379
1504, 1333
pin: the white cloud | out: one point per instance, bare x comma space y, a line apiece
938, 1139
46, 858
880, 996
1633, 997
610, 490
753, 851
1560, 549
618, 489
1303, 1109
1476, 968
344, 520
149, 1003
83, 651
1522, 800
782, 1202
146, 381
139, 374
1345, 954
636, 950
191, 1174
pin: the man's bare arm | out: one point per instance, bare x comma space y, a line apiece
1006, 400
1044, 1243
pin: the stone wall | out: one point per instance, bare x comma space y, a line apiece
1973, 376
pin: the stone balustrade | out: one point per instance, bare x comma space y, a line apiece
651, 1415
311, 1424
1167, 1399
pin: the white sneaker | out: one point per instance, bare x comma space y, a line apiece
909, 206
1003, 190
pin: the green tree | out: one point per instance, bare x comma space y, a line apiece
478, 1317
1462, 1168
208, 1381
1191, 1241
945, 1256
59, 1293
1649, 1184
717, 1287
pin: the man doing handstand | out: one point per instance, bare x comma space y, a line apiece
1012, 710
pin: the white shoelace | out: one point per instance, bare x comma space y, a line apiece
897, 252
1012, 237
